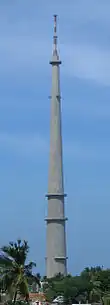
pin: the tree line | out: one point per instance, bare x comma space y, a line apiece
16, 278
91, 286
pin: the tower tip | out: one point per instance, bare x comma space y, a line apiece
55, 32
55, 56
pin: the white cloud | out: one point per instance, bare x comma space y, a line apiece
92, 10
32, 146
29, 57
24, 145
86, 10
89, 109
87, 62
22, 53
26, 40
75, 150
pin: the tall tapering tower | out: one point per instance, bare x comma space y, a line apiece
56, 259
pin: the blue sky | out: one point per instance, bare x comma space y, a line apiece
26, 29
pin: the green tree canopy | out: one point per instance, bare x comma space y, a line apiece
16, 277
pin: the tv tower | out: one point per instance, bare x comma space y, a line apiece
56, 258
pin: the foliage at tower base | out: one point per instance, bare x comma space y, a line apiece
91, 286
16, 277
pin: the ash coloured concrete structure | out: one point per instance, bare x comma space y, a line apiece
56, 259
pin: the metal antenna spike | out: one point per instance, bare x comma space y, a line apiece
55, 32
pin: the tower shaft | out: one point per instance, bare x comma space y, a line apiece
56, 237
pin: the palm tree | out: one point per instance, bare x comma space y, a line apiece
18, 275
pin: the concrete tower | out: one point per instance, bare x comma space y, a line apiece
56, 260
